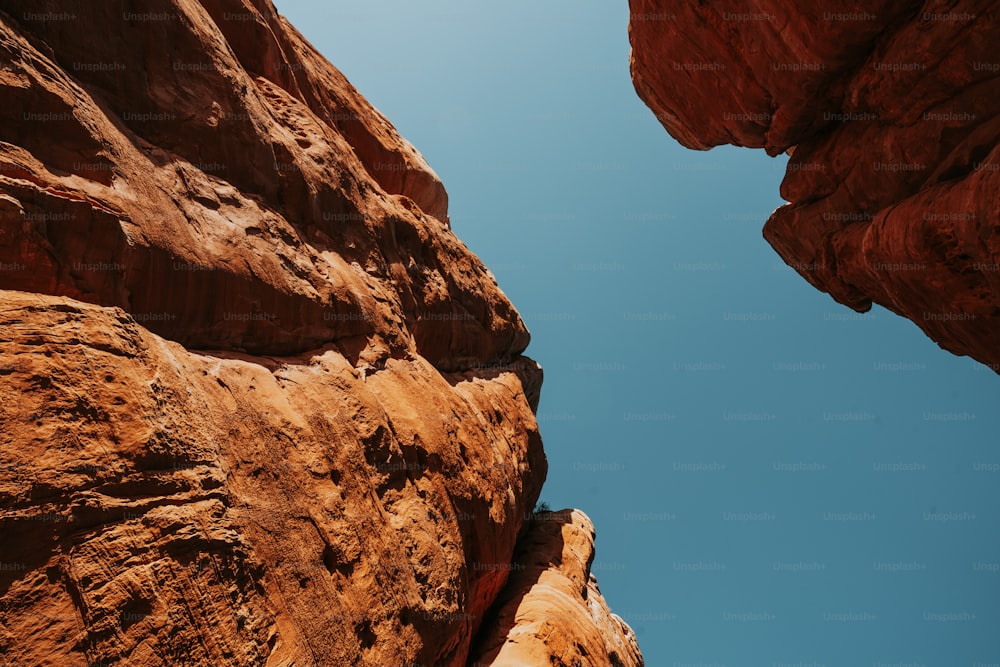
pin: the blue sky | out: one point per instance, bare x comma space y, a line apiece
775, 480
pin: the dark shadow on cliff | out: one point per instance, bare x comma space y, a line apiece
527, 369
30, 542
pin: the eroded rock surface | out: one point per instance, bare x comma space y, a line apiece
164, 507
258, 404
890, 114
552, 612
203, 168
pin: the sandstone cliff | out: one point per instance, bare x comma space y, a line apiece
531, 623
889, 112
258, 404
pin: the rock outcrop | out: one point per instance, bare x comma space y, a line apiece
258, 404
889, 112
550, 583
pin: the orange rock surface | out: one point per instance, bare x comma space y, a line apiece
258, 404
552, 612
889, 111
163, 506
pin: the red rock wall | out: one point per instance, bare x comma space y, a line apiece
889, 110
164, 507
158, 156
258, 404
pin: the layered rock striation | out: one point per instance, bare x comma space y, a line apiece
889, 112
258, 404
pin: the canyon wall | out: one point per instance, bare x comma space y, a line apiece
258, 404
889, 112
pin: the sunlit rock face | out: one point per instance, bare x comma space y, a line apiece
552, 611
890, 115
258, 404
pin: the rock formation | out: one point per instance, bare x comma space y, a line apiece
890, 115
552, 583
258, 404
